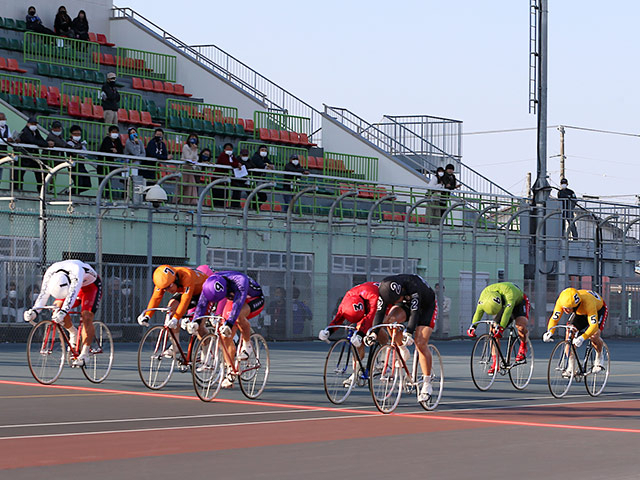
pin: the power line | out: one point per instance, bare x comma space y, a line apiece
611, 132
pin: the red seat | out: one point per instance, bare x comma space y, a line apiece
395, 217
93, 37
367, 192
123, 117
137, 83
320, 163
248, 125
73, 109
86, 110
145, 119
97, 58
264, 134
229, 120
43, 91
12, 66
98, 112
102, 40
274, 135
179, 90
134, 117
147, 85
124, 137
3, 64
304, 140
294, 138
269, 207
311, 162
158, 86
284, 136
241, 122
168, 88
109, 60
217, 116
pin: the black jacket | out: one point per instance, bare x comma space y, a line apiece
568, 198
80, 26
256, 161
449, 181
32, 138
110, 97
62, 24
108, 143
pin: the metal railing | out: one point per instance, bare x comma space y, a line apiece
152, 65
92, 132
19, 85
350, 166
235, 72
280, 121
55, 50
203, 111
278, 154
176, 141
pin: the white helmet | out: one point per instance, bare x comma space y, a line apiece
59, 285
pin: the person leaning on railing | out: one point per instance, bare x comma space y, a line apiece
30, 136
260, 160
134, 146
188, 192
156, 148
81, 178
293, 166
227, 158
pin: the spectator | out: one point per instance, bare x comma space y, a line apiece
5, 134
205, 156
278, 313
188, 192
568, 198
301, 313
260, 160
293, 166
227, 158
110, 100
35, 24
134, 145
129, 303
63, 23
31, 136
442, 322
82, 180
11, 304
449, 179
156, 148
110, 144
438, 204
80, 26
54, 139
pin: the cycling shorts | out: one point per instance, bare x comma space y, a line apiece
192, 304
581, 322
89, 297
522, 310
256, 304
426, 316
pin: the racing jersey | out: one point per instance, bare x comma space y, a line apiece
80, 275
590, 303
421, 298
361, 298
189, 283
239, 287
510, 296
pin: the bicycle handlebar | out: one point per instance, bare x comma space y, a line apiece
346, 327
568, 327
390, 325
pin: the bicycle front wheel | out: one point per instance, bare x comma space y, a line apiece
483, 359
46, 352
339, 375
385, 378
98, 365
254, 371
437, 380
596, 375
560, 370
520, 371
208, 368
155, 360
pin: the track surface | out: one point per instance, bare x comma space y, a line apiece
120, 429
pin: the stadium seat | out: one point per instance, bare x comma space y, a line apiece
3, 64
147, 85
168, 88
93, 37
109, 60
100, 77
42, 69
320, 163
208, 127
41, 105
77, 75
179, 90
284, 136
9, 24
86, 110
98, 112
239, 130
66, 72
218, 127
174, 121
21, 25
304, 140
294, 138
28, 103
198, 125
158, 87
53, 97
186, 123
4, 43
134, 117
274, 135
145, 119
43, 92
248, 125
229, 129
16, 45
73, 109
12, 66
54, 71
123, 117
264, 134
102, 40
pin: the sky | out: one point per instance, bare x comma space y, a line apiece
460, 59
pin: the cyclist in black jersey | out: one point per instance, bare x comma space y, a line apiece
410, 296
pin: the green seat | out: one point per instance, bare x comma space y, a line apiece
15, 44
162, 113
208, 127
15, 100
21, 25
218, 128
54, 71
4, 96
1, 22
150, 106
10, 23
4, 43
100, 77
28, 103
229, 129
41, 105
66, 72
174, 122
77, 74
186, 123
198, 125
240, 131
43, 69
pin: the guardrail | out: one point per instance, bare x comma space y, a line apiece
176, 140
19, 85
92, 132
55, 50
280, 121
350, 166
278, 154
202, 111
140, 63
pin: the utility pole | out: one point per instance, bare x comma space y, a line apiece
528, 185
562, 156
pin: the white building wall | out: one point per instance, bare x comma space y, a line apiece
197, 80
98, 11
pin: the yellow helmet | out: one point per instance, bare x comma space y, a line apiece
163, 276
569, 298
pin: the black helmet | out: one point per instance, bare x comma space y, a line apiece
390, 291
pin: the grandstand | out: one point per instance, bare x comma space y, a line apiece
363, 211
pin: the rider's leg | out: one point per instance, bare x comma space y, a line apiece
68, 324
521, 327
398, 315
243, 324
173, 306
422, 335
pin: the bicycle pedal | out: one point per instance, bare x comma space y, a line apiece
183, 368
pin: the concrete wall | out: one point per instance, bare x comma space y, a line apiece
197, 80
337, 138
98, 11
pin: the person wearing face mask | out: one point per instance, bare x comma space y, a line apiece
62, 23
55, 138
156, 148
260, 160
134, 145
81, 178
293, 166
5, 134
111, 144
188, 192
568, 199
228, 159
110, 100
11, 303
34, 23
30, 136
80, 26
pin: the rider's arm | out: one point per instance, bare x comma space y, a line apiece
510, 304
201, 307
239, 286
154, 301
372, 303
414, 308
555, 318
185, 300
76, 276
337, 320
41, 301
381, 308
478, 315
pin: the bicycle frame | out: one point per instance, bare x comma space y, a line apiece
505, 366
50, 334
412, 376
574, 351
185, 359
350, 332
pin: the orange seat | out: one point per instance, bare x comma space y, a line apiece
145, 119
158, 86
264, 134
168, 88
93, 37
134, 117
123, 117
98, 112
109, 60
147, 85
12, 65
86, 110
179, 90
73, 109
137, 83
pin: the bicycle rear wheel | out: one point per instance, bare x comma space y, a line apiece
154, 365
437, 380
254, 371
98, 365
559, 376
520, 372
482, 359
595, 381
208, 368
339, 374
385, 379
45, 352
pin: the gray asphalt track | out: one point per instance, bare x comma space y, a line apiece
121, 429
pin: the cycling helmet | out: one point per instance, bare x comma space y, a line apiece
491, 302
205, 269
390, 291
163, 276
214, 288
569, 298
59, 285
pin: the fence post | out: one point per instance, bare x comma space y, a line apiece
245, 220
370, 228
198, 234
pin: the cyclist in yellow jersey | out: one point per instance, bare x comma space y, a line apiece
590, 316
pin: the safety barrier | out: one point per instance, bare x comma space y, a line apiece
19, 85
176, 140
55, 50
280, 121
201, 111
350, 166
139, 63
92, 132
278, 155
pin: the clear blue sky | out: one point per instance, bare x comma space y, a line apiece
460, 59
